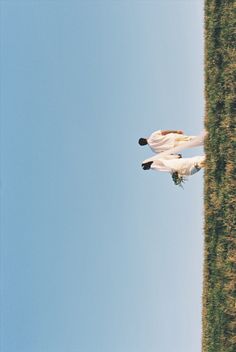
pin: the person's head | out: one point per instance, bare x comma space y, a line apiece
147, 166
142, 141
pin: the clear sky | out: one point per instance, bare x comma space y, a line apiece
98, 255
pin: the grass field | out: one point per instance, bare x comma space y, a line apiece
219, 291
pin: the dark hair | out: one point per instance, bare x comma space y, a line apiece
142, 141
147, 166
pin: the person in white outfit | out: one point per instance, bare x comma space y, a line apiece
178, 168
160, 141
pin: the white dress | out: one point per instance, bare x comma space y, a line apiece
159, 143
184, 166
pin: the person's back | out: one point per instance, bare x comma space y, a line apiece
160, 141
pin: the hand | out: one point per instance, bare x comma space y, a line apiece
180, 132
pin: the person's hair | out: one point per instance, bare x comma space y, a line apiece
178, 180
147, 166
142, 141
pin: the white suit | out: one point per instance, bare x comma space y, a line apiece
184, 166
160, 143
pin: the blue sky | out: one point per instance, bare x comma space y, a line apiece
96, 254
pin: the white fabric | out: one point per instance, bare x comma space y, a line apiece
195, 142
160, 143
184, 166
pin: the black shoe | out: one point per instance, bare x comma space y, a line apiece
147, 166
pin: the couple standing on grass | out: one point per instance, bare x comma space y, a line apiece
166, 144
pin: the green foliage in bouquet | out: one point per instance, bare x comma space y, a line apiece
178, 180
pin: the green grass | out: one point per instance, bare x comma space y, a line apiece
219, 290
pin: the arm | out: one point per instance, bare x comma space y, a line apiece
171, 131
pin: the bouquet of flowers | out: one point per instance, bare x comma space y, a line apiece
178, 180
